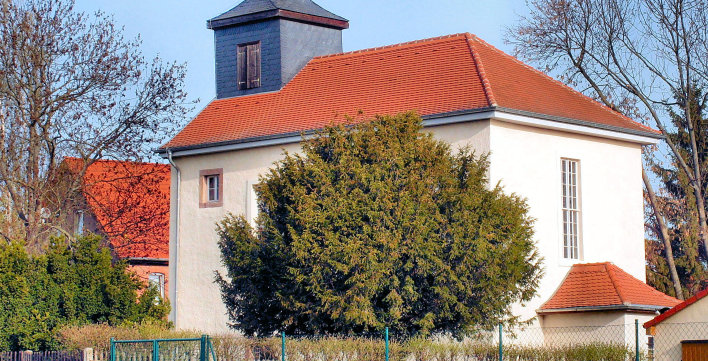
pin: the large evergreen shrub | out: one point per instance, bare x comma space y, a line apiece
377, 224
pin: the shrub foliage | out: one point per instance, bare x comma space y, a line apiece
377, 224
72, 283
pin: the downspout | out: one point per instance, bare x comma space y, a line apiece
175, 259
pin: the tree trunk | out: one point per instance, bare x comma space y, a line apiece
665, 236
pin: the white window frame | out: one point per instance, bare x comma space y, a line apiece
207, 189
571, 243
160, 282
212, 189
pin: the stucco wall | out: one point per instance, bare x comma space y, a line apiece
526, 161
198, 302
691, 323
585, 327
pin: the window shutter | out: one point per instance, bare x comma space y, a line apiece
241, 67
254, 65
258, 65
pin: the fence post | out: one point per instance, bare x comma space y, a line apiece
113, 349
155, 351
211, 348
636, 339
202, 348
501, 344
386, 343
282, 353
87, 354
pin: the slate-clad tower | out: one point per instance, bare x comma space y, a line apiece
260, 45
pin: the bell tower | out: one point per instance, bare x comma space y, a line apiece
260, 45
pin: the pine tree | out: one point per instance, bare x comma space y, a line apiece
679, 207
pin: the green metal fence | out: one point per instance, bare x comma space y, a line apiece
624, 342
183, 349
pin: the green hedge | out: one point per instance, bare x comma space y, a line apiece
72, 283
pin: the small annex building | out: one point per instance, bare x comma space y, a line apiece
281, 75
601, 302
129, 204
681, 333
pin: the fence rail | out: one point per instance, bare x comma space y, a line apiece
42, 356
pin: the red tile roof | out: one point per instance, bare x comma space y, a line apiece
434, 76
658, 319
131, 203
594, 285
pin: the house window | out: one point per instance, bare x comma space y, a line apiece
252, 202
570, 205
212, 184
249, 66
80, 222
211, 188
157, 280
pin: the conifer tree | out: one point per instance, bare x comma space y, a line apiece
377, 224
678, 206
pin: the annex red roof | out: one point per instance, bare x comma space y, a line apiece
658, 319
434, 76
131, 203
593, 285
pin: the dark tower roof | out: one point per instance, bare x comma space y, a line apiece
300, 10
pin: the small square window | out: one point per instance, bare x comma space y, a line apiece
212, 182
211, 188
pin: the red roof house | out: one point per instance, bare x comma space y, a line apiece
128, 203
681, 333
678, 308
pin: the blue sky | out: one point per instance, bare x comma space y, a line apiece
176, 30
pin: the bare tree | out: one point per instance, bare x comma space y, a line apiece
639, 57
72, 85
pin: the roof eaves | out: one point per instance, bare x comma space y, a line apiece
431, 119
622, 307
277, 13
581, 122
147, 261
294, 137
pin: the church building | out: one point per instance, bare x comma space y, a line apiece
281, 74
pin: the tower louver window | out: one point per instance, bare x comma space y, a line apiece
249, 66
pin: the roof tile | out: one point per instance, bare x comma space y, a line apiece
433, 76
131, 202
604, 284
